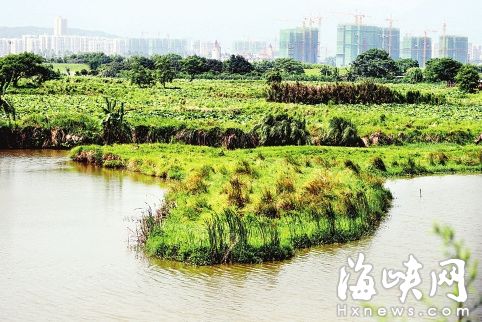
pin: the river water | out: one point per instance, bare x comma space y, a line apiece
66, 251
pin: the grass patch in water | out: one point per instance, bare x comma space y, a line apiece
262, 204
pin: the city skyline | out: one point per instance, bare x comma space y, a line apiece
300, 43
250, 21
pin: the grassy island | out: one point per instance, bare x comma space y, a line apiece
253, 205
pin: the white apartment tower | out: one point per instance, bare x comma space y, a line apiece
60, 26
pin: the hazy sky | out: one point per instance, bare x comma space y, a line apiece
244, 19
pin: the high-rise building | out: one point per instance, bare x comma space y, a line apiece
60, 26
417, 48
4, 46
138, 46
455, 47
249, 47
216, 52
300, 44
475, 54
355, 39
391, 42
163, 46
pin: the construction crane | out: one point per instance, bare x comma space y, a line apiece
313, 21
390, 27
358, 16
425, 43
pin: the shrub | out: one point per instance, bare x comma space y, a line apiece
341, 132
281, 129
414, 75
405, 64
267, 205
411, 168
437, 158
273, 76
352, 166
243, 167
195, 183
175, 173
378, 164
285, 184
237, 196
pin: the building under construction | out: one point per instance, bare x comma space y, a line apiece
300, 44
354, 39
417, 48
454, 47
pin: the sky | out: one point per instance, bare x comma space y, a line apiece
226, 21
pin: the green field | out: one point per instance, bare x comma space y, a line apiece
75, 103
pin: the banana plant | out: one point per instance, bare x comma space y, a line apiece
113, 122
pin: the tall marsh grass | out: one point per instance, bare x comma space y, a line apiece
347, 93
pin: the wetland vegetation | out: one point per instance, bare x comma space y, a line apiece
255, 169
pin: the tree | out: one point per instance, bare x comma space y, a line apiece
414, 75
374, 63
289, 66
237, 64
142, 61
165, 70
25, 65
263, 66
468, 78
113, 69
175, 61
405, 64
441, 70
94, 60
141, 76
194, 65
214, 65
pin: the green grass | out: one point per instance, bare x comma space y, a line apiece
262, 204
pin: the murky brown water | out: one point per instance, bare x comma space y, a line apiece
65, 255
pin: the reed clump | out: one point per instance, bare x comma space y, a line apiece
347, 93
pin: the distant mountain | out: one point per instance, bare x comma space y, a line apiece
16, 32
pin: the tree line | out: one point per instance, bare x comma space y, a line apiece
374, 64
